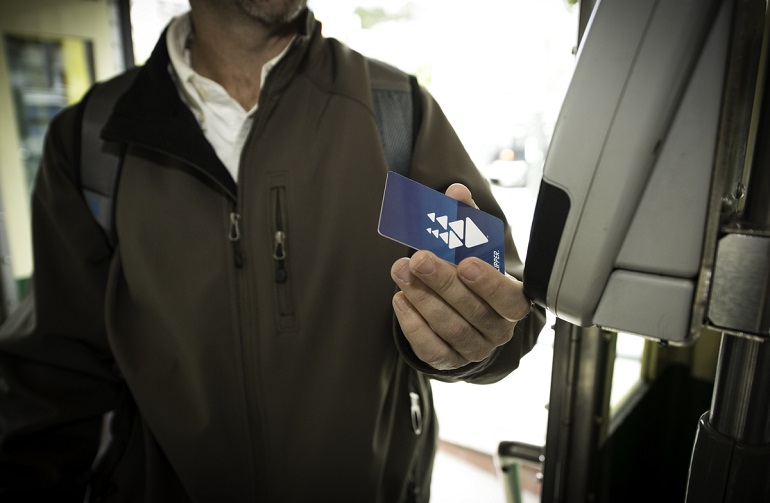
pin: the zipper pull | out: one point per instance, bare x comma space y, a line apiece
415, 412
279, 255
234, 236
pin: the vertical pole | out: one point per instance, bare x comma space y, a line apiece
578, 412
126, 38
8, 290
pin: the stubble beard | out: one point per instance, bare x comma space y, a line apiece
273, 12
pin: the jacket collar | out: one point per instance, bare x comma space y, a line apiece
151, 113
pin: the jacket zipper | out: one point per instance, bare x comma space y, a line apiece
283, 290
279, 239
279, 235
234, 236
247, 341
415, 411
416, 393
279, 255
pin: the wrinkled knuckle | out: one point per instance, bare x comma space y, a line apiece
483, 314
437, 359
502, 333
409, 325
491, 324
427, 352
479, 354
410, 331
473, 348
446, 365
496, 288
456, 333
444, 282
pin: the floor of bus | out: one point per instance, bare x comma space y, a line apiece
462, 475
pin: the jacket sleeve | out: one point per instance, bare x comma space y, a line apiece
56, 371
440, 160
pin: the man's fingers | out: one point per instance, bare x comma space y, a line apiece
427, 346
448, 308
488, 303
461, 193
505, 294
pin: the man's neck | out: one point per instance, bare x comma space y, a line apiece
231, 50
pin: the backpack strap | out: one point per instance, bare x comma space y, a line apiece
99, 160
396, 99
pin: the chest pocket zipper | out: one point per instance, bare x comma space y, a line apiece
281, 278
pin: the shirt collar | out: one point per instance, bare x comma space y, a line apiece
177, 38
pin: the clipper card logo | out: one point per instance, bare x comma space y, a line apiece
457, 233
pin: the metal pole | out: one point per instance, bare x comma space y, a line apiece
126, 38
578, 412
740, 408
9, 297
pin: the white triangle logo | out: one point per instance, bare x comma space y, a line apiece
457, 231
454, 241
458, 227
473, 235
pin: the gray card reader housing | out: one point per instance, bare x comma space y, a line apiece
619, 223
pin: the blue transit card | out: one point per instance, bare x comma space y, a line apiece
425, 219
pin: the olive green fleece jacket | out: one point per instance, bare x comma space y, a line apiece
231, 376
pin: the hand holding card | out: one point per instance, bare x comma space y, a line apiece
451, 316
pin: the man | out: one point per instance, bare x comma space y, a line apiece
235, 373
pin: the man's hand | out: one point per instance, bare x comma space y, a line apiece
451, 315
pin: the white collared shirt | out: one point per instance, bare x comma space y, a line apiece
224, 122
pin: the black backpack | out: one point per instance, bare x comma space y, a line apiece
395, 95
